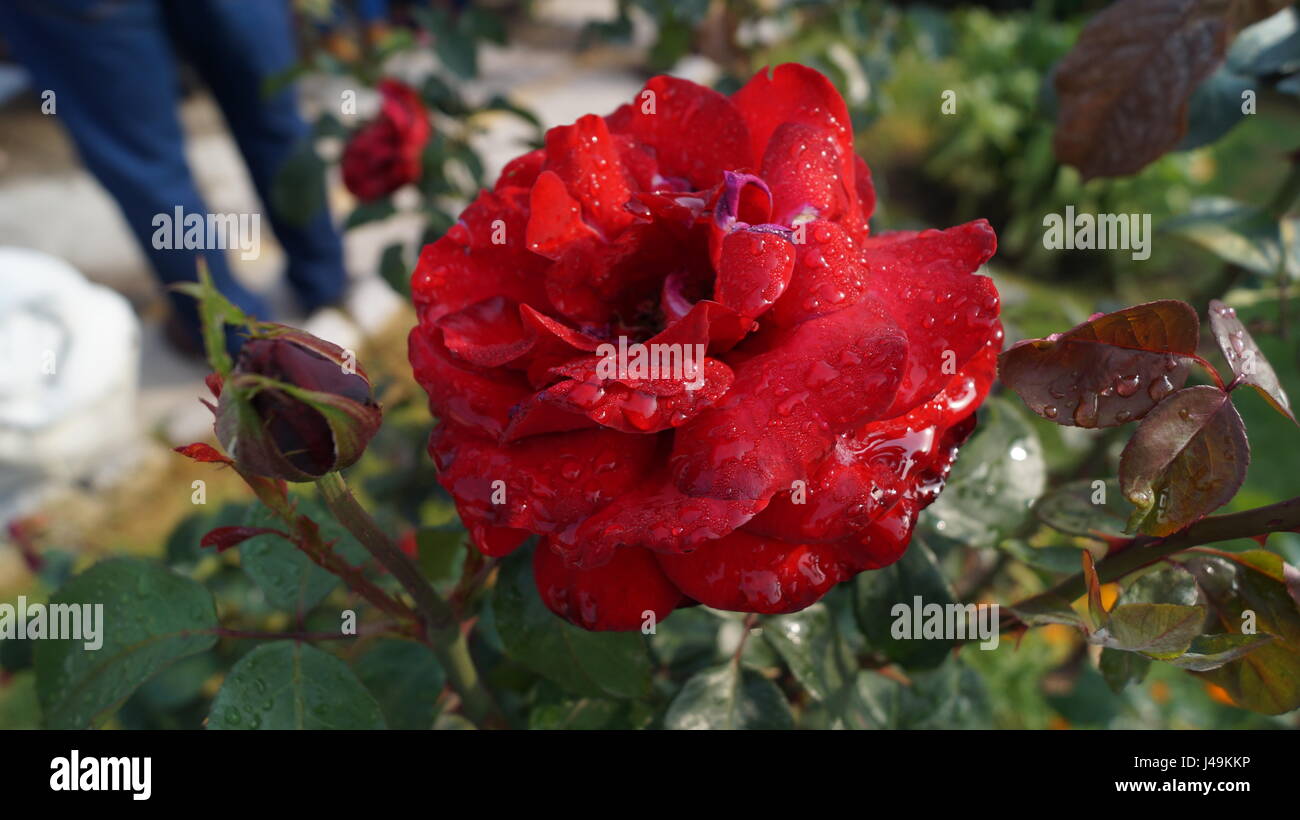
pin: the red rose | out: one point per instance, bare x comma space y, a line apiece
842, 368
388, 152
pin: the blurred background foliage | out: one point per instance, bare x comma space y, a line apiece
828, 666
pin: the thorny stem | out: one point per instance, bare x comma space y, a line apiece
1131, 554
306, 537
442, 631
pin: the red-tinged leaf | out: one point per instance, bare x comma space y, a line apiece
223, 538
203, 452
1109, 370
1245, 357
1123, 90
1187, 459
214, 382
1254, 593
1096, 609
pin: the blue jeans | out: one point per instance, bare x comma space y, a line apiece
113, 67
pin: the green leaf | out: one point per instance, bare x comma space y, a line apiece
1121, 668
151, 618
292, 685
952, 696
1267, 679
1165, 585
298, 191
458, 53
438, 550
1246, 359
809, 644
369, 212
1271, 46
1046, 608
1237, 233
291, 580
553, 708
599, 664
1216, 107
1158, 630
730, 696
405, 678
1093, 508
1187, 459
1107, 371
393, 269
884, 602
1212, 651
998, 473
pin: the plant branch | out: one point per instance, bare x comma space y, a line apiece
442, 631
1132, 554
435, 613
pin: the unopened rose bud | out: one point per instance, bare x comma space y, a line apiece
295, 407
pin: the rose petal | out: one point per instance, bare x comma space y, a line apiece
465, 266
794, 93
830, 374
696, 133
745, 573
948, 312
614, 596
585, 157
803, 167
555, 218
541, 484
754, 270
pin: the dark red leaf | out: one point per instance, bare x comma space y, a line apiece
1124, 88
223, 538
1245, 357
1187, 459
1109, 370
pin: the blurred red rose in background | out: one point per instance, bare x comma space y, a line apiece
387, 152
838, 370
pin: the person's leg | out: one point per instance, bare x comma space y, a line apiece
114, 77
237, 46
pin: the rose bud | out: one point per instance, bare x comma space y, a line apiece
295, 407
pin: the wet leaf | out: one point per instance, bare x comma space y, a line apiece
951, 696
290, 580
151, 617
1245, 357
1165, 585
809, 644
405, 679
886, 605
1108, 370
292, 685
599, 664
999, 473
1093, 508
1187, 459
1155, 630
1123, 89
1267, 679
730, 696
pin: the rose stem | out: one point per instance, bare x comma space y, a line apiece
442, 631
